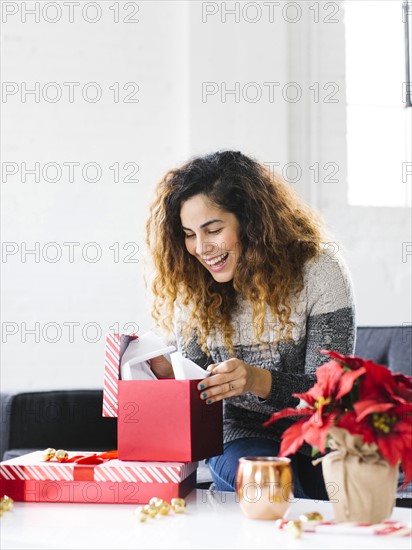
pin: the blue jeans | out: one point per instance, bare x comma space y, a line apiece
307, 479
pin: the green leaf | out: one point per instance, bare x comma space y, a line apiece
315, 451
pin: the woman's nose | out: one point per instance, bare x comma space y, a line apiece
206, 248
200, 245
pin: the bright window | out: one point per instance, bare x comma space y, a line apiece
379, 125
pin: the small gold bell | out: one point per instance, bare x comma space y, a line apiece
156, 502
6, 504
62, 455
164, 508
141, 514
151, 510
49, 453
294, 528
178, 505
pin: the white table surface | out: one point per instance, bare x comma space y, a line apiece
211, 521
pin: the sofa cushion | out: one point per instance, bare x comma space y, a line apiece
60, 419
389, 346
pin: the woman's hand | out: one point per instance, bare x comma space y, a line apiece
234, 377
161, 367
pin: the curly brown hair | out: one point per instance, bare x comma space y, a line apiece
278, 233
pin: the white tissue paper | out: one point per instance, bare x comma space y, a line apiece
133, 365
185, 369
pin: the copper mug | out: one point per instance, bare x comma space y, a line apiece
264, 486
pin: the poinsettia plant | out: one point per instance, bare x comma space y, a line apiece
358, 395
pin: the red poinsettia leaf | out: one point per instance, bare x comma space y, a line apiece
394, 445
404, 428
307, 397
312, 395
347, 380
349, 422
403, 387
328, 376
391, 448
404, 423
407, 466
368, 435
318, 416
316, 434
370, 406
292, 439
403, 379
404, 393
290, 411
378, 383
403, 412
349, 360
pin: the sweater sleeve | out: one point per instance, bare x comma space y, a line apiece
330, 324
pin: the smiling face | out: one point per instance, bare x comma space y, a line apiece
211, 236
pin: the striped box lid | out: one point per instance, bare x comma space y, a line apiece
32, 467
111, 375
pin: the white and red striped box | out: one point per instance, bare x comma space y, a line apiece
159, 420
113, 354
28, 478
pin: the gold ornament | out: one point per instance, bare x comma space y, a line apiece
294, 528
6, 504
61, 455
164, 509
141, 514
178, 505
159, 506
156, 502
151, 510
49, 453
311, 516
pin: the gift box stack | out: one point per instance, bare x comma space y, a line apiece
164, 429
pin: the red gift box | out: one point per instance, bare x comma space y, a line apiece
29, 478
160, 420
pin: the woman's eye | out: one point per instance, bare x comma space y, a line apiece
187, 236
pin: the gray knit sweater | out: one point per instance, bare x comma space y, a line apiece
324, 314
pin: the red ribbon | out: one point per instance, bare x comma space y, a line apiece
84, 464
93, 459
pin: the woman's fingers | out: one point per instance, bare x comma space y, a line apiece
218, 392
211, 367
220, 373
229, 378
226, 366
226, 380
161, 367
214, 380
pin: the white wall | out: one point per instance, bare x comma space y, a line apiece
152, 133
371, 238
170, 53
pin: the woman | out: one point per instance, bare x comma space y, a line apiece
245, 279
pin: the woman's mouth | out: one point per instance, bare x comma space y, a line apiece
218, 263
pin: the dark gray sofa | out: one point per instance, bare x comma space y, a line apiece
72, 419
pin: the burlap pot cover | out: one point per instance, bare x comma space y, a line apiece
361, 485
